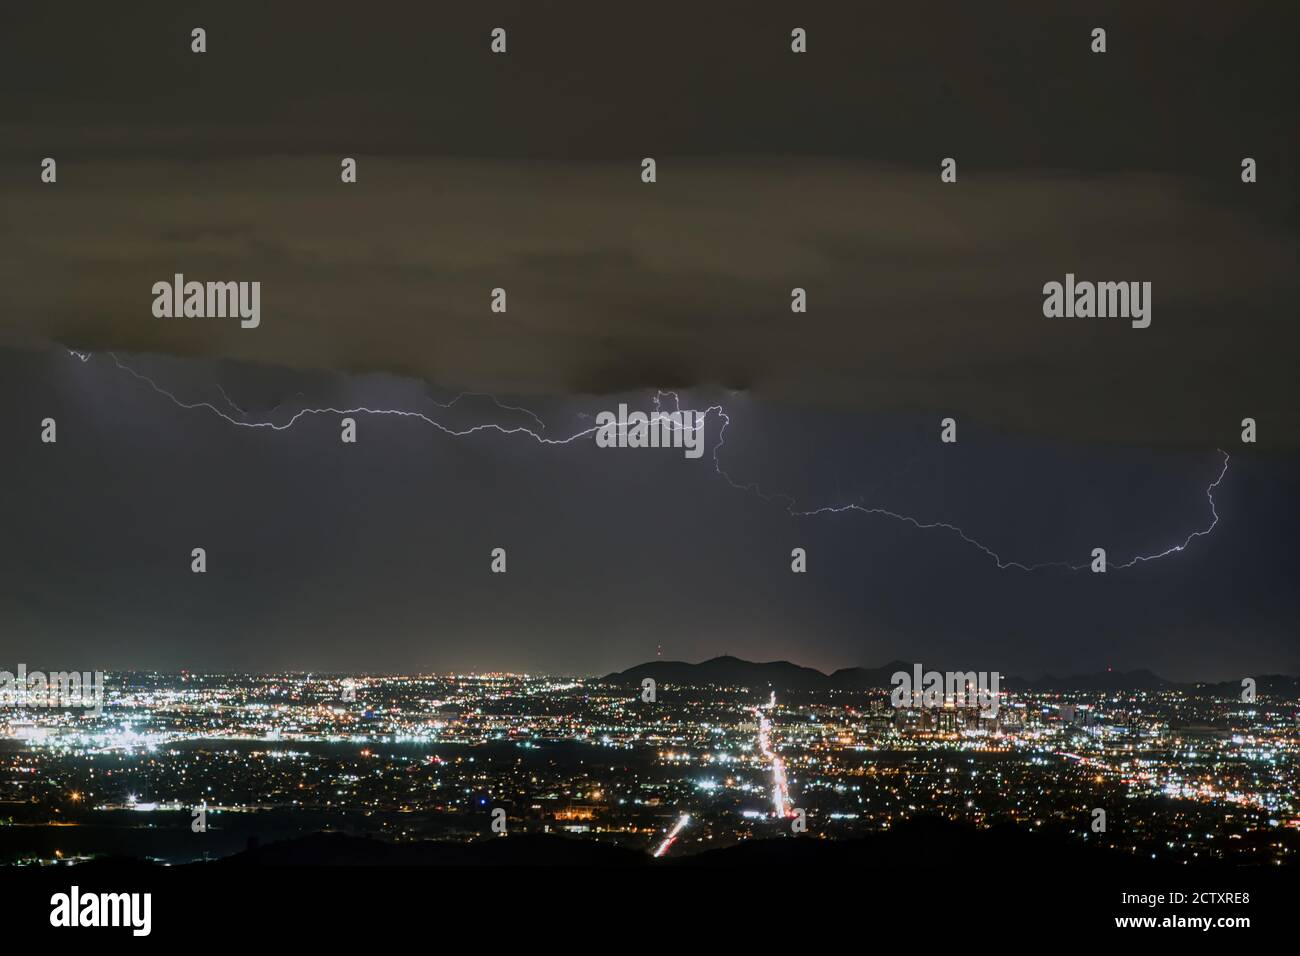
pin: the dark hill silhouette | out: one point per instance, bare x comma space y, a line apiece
338, 849
867, 678
1104, 681
727, 671
919, 843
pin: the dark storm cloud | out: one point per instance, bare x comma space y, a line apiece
1012, 86
775, 171
919, 298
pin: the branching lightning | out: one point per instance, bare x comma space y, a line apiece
701, 419
1003, 565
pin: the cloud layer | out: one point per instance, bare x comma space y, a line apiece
776, 170
921, 296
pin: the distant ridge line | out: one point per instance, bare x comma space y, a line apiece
728, 671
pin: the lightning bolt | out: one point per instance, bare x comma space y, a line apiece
700, 417
1002, 564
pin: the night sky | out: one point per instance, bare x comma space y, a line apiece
775, 170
